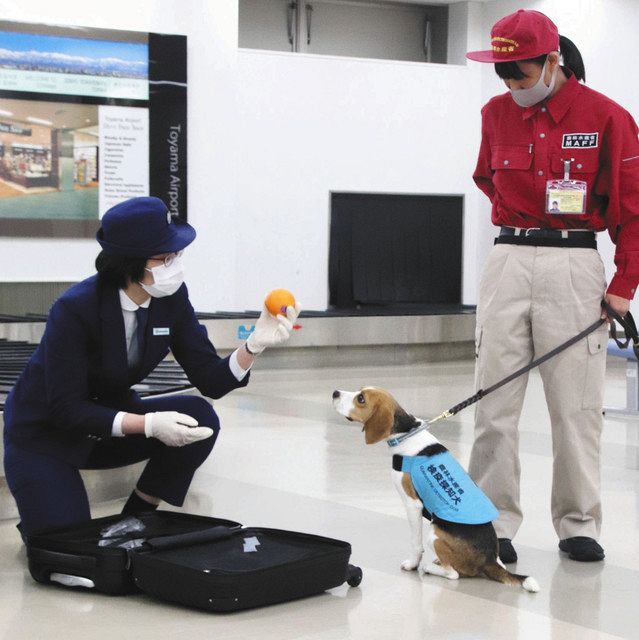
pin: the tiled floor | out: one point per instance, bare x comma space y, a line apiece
285, 459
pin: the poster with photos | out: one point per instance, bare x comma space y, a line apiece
88, 118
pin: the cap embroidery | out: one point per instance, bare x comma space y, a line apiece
495, 46
506, 40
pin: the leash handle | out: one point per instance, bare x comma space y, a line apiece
629, 327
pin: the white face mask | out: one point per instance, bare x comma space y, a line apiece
529, 97
167, 280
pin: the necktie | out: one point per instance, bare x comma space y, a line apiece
136, 348
142, 314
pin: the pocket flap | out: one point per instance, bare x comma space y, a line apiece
595, 343
508, 156
584, 162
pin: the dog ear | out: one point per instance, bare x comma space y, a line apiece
379, 425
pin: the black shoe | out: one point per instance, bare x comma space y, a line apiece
507, 553
582, 549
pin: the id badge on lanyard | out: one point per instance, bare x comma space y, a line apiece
566, 197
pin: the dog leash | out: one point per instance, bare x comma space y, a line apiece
627, 322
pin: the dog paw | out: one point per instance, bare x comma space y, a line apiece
451, 574
435, 568
530, 584
426, 566
410, 564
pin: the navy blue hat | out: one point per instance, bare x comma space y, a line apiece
143, 227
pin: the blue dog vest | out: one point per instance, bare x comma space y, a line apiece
447, 490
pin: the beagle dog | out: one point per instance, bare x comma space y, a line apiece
462, 540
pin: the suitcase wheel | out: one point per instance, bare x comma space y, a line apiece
353, 575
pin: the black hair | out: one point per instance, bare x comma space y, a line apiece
118, 271
571, 57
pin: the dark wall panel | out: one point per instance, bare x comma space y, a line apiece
395, 249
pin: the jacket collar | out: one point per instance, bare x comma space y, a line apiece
559, 104
112, 329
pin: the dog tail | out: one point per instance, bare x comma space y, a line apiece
496, 572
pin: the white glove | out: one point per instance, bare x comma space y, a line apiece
174, 429
271, 330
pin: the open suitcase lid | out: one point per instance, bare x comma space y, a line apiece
114, 533
99, 550
210, 563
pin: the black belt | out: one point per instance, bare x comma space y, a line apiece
548, 237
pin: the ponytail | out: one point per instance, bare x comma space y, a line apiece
572, 58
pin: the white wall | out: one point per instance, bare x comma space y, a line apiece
312, 125
605, 31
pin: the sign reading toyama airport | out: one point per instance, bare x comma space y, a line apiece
88, 118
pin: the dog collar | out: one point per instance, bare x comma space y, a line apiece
397, 440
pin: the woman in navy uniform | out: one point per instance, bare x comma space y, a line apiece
73, 407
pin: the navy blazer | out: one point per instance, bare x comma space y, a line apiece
78, 377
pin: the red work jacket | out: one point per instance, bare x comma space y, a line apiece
522, 148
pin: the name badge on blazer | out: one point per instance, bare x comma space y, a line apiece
161, 331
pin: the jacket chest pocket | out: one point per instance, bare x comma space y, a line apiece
509, 157
583, 166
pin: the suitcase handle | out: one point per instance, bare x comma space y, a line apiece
58, 559
187, 539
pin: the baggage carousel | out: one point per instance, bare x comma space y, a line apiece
367, 336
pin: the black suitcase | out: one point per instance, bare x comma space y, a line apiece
209, 563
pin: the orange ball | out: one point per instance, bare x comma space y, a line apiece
277, 301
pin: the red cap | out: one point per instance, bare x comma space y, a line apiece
521, 35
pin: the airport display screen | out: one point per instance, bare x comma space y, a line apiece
88, 118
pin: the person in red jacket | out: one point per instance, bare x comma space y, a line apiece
559, 162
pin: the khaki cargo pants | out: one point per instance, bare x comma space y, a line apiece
532, 299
